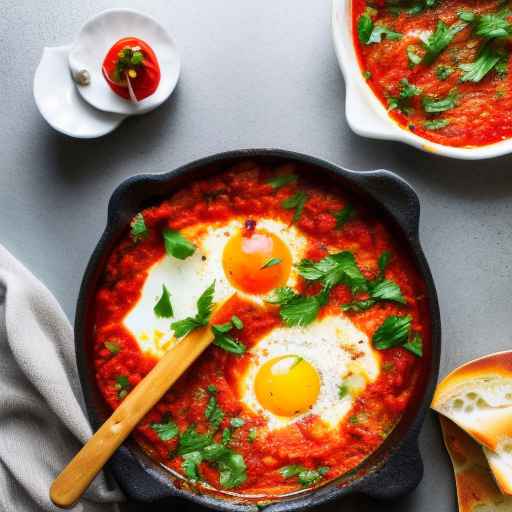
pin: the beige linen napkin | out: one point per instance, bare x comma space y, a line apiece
42, 420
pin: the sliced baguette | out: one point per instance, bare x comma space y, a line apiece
476, 488
478, 398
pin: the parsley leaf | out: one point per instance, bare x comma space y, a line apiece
396, 331
364, 28
251, 436
190, 464
138, 229
232, 470
358, 305
393, 332
226, 342
387, 290
112, 347
343, 215
334, 269
436, 124
493, 25
296, 201
122, 385
237, 422
402, 102
281, 296
237, 323
413, 58
488, 58
342, 390
163, 307
177, 245
305, 476
443, 72
191, 441
440, 39
166, 431
281, 180
204, 311
379, 31
213, 413
312, 476
415, 346
271, 262
434, 106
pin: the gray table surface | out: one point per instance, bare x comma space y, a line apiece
255, 74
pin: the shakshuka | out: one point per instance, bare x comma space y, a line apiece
316, 355
440, 67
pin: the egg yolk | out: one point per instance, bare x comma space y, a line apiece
287, 385
256, 263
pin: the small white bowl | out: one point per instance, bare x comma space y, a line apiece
368, 117
96, 38
60, 104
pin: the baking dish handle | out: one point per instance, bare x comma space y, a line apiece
399, 476
395, 194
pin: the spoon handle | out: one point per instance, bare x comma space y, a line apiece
75, 478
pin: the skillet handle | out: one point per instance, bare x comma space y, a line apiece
399, 476
396, 194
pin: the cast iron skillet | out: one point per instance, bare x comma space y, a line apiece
396, 467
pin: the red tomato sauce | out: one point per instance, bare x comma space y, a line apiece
243, 191
482, 113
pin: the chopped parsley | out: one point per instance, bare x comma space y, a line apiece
342, 390
122, 385
343, 216
226, 342
402, 102
237, 323
177, 245
306, 477
281, 180
251, 436
295, 309
490, 26
488, 59
412, 56
271, 262
167, 430
443, 71
297, 202
339, 268
436, 124
395, 331
440, 39
112, 347
237, 422
213, 413
138, 229
204, 311
163, 308
434, 106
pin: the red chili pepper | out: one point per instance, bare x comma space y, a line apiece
131, 63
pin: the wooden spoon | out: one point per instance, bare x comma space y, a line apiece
75, 478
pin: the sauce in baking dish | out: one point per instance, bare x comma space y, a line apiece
440, 67
315, 358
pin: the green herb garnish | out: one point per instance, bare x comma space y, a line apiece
343, 216
402, 102
166, 431
163, 308
204, 311
436, 124
281, 180
112, 347
271, 262
440, 39
443, 72
395, 331
434, 106
122, 385
226, 342
177, 245
489, 57
306, 477
297, 202
213, 413
413, 58
138, 229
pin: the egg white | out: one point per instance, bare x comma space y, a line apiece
187, 279
334, 347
